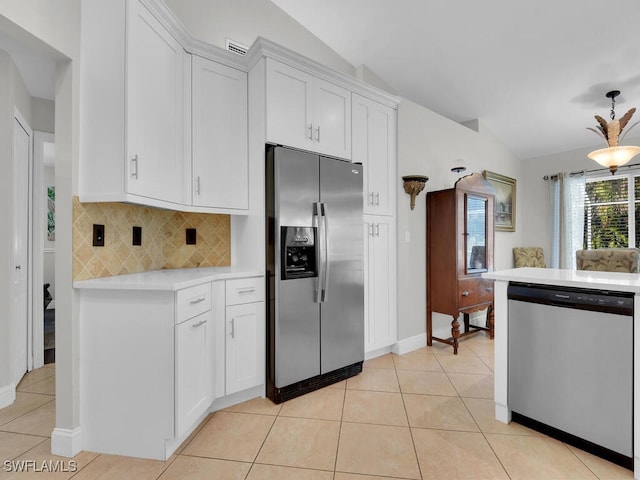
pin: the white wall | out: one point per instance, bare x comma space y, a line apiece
213, 21
13, 94
54, 27
429, 144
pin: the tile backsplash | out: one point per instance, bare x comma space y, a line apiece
163, 240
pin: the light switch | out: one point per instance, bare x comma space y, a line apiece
407, 237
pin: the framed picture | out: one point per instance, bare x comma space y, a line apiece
505, 188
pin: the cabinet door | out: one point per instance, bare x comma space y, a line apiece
374, 145
155, 109
244, 346
381, 287
331, 119
220, 156
289, 106
193, 370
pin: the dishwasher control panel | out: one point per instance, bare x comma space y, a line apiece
579, 298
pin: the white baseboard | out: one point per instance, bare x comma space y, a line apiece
7, 395
65, 442
238, 397
378, 353
410, 344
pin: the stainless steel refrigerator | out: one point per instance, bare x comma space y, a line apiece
315, 269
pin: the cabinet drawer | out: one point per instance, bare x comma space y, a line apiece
485, 290
245, 290
474, 291
192, 301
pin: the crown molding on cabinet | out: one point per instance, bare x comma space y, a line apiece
262, 47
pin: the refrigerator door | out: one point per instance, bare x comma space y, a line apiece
297, 314
342, 306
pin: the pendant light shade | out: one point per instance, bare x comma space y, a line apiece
614, 155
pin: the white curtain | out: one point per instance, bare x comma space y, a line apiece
567, 207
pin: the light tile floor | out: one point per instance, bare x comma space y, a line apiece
424, 415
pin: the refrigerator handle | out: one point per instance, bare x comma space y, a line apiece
319, 253
325, 233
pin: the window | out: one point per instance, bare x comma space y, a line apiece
610, 206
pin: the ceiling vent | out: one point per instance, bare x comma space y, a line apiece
236, 47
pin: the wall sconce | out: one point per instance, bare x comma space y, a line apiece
413, 185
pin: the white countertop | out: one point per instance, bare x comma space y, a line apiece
622, 282
170, 279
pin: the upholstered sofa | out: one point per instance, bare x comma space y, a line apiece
609, 259
528, 257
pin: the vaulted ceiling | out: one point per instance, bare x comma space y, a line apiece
533, 73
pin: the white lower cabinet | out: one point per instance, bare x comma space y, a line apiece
244, 352
245, 334
153, 362
380, 285
194, 378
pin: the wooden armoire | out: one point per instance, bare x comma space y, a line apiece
460, 244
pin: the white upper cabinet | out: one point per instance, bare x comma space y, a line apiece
132, 107
307, 112
219, 126
374, 145
155, 109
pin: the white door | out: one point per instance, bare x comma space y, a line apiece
331, 119
155, 103
244, 352
20, 309
289, 106
220, 157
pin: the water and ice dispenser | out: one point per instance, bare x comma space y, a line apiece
299, 252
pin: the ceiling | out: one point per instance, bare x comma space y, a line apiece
533, 73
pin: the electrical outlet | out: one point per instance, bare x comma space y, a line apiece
98, 235
191, 236
137, 236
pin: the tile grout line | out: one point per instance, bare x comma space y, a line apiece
404, 406
344, 401
480, 429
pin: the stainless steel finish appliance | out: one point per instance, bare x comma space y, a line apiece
571, 366
315, 268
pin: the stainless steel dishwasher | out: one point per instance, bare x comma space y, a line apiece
571, 366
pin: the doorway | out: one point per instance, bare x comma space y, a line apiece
44, 251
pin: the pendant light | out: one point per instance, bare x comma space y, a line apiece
614, 155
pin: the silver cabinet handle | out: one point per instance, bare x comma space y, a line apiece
197, 300
377, 229
233, 328
371, 198
489, 289
244, 291
311, 131
318, 133
199, 324
370, 228
134, 166
465, 293
377, 199
198, 184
